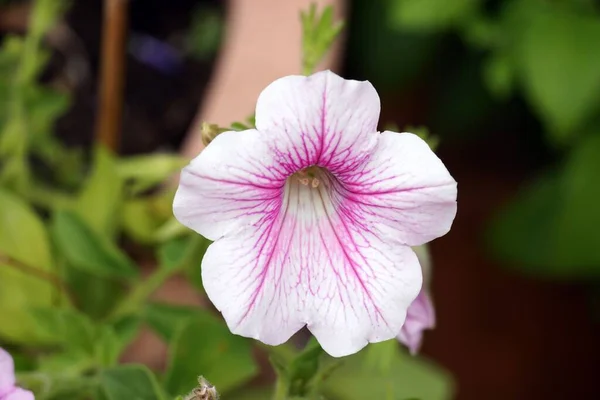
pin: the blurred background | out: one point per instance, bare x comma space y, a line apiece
510, 88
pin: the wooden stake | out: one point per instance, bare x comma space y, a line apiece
110, 113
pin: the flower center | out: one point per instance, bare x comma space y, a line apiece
309, 176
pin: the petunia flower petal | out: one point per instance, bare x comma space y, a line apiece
7, 372
319, 120
233, 182
405, 187
420, 316
19, 394
307, 263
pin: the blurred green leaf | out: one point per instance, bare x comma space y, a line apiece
203, 39
499, 75
69, 363
108, 346
23, 238
85, 341
86, 249
204, 346
550, 228
430, 14
130, 382
197, 246
250, 393
44, 106
145, 219
381, 357
126, 330
560, 65
526, 231
96, 296
318, 33
147, 171
581, 217
68, 327
23, 235
99, 201
139, 221
167, 319
170, 229
391, 58
303, 368
408, 377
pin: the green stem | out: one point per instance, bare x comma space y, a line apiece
281, 390
139, 295
41, 274
136, 299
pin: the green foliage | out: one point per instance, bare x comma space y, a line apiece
26, 268
560, 68
130, 382
318, 33
102, 193
84, 248
147, 171
431, 14
203, 345
549, 230
399, 376
204, 37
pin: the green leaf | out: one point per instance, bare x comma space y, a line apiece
70, 328
146, 219
408, 377
238, 126
83, 340
22, 233
550, 228
44, 105
204, 36
524, 232
99, 201
185, 253
23, 238
96, 296
581, 216
139, 222
108, 346
430, 14
87, 250
167, 319
126, 330
204, 346
130, 382
498, 75
560, 65
250, 393
197, 247
149, 170
302, 369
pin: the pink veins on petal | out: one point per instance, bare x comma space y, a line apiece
313, 214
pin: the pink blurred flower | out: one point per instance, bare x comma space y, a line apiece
8, 390
421, 313
313, 214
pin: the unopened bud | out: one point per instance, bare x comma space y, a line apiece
209, 132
